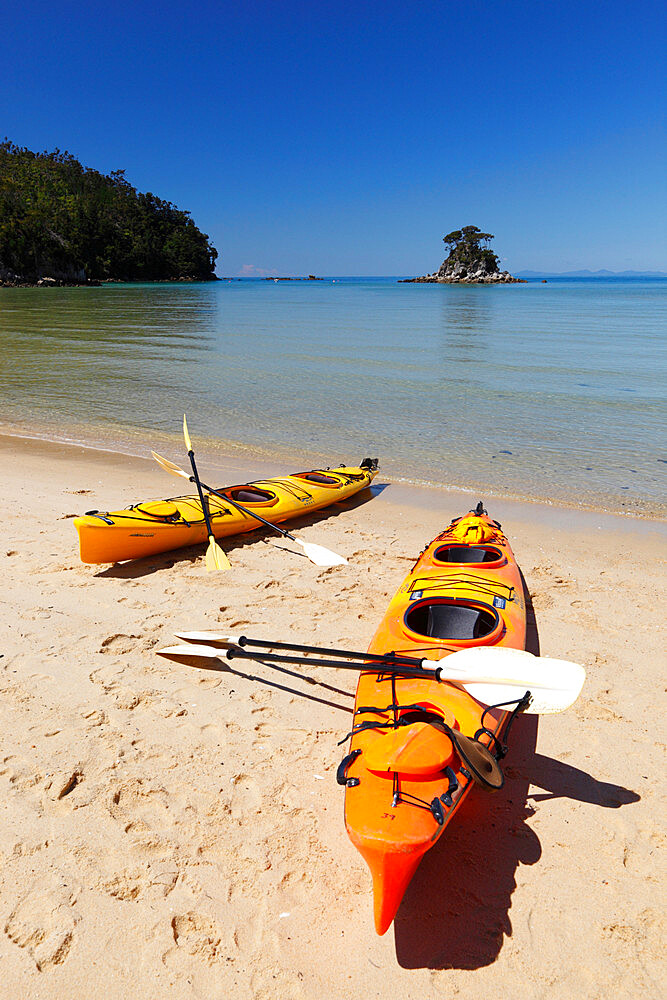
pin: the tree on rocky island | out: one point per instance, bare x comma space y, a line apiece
465, 249
470, 236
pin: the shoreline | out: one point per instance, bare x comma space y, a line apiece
255, 462
49, 282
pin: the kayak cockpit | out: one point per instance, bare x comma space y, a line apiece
321, 479
453, 619
476, 554
252, 495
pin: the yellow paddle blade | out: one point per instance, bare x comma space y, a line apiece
215, 557
188, 442
169, 466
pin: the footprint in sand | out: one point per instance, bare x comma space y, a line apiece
24, 777
274, 981
165, 706
107, 677
96, 717
246, 797
148, 814
330, 571
63, 784
43, 922
249, 930
119, 643
125, 885
128, 699
208, 682
201, 937
132, 884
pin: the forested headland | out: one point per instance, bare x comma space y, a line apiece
65, 222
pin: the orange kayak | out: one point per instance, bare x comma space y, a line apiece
405, 777
153, 526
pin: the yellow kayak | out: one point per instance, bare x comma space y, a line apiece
153, 526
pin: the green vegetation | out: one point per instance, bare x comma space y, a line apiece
63, 220
465, 249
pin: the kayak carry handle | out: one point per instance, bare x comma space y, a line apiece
446, 797
341, 773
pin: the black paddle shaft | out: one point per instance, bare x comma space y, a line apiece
346, 654
391, 667
202, 499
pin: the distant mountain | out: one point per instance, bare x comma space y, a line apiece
592, 274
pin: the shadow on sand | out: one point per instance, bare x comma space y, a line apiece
205, 663
455, 913
456, 910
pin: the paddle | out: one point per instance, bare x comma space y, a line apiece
317, 554
506, 666
213, 637
491, 674
215, 557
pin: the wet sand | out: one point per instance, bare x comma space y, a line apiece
169, 830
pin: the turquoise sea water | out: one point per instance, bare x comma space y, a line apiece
551, 391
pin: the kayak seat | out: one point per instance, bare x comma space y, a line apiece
320, 479
247, 495
441, 620
466, 554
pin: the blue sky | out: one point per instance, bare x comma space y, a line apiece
348, 138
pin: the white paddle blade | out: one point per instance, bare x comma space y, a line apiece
169, 466
544, 701
319, 555
555, 684
216, 558
188, 649
500, 664
208, 635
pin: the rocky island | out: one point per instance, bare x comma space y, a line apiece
65, 224
470, 261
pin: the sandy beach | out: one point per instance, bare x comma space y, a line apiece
170, 831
